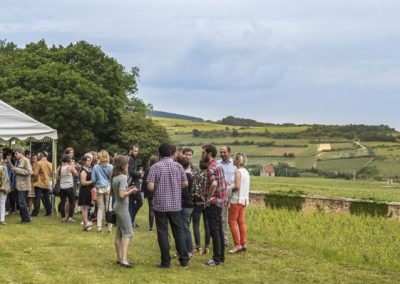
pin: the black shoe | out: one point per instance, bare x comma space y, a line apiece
47, 214
162, 266
25, 222
126, 265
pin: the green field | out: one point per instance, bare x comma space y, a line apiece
344, 156
343, 165
371, 190
283, 247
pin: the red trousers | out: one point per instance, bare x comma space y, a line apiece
236, 223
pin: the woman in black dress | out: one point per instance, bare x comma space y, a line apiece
85, 196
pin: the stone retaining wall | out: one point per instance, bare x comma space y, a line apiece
327, 204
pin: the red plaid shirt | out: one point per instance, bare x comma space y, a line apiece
216, 173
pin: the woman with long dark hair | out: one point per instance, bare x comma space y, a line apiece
85, 195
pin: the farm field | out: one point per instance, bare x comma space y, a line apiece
370, 190
343, 165
283, 247
333, 155
180, 125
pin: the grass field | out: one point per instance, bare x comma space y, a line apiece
372, 190
181, 125
343, 165
284, 247
344, 156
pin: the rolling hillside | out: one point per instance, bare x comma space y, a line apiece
311, 156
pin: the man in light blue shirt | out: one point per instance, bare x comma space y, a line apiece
226, 163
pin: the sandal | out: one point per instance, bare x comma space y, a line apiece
87, 228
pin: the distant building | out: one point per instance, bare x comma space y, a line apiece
267, 171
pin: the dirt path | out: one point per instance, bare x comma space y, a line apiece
324, 147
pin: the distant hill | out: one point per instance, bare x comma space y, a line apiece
237, 121
156, 113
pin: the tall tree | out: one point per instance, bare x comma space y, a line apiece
77, 89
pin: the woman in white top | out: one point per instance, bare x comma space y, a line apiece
239, 201
66, 172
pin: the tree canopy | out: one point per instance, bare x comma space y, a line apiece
77, 89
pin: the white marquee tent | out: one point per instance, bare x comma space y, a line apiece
15, 125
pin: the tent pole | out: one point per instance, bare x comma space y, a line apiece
54, 168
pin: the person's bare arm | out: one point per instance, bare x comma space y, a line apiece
213, 187
150, 185
85, 182
73, 170
238, 178
123, 194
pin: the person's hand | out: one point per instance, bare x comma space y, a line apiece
132, 190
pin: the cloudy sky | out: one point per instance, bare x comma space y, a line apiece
304, 61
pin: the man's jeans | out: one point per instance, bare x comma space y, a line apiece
23, 208
175, 221
199, 210
135, 203
186, 213
41, 194
214, 217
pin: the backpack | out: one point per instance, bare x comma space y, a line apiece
4, 182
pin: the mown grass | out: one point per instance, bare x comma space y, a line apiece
284, 247
372, 190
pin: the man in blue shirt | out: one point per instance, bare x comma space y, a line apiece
229, 172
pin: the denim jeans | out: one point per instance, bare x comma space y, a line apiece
135, 203
41, 194
23, 208
186, 213
199, 210
214, 217
151, 212
175, 221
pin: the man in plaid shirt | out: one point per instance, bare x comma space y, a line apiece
215, 197
167, 179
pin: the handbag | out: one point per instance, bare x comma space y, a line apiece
111, 217
56, 188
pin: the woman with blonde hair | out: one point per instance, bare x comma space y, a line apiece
239, 201
120, 192
101, 178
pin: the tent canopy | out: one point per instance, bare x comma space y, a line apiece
17, 125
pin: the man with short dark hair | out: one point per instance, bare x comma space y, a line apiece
167, 178
136, 199
23, 172
43, 171
188, 153
215, 201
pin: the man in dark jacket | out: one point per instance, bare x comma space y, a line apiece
136, 199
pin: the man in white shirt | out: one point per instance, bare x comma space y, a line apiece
226, 163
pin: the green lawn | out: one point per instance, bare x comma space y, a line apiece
327, 187
284, 247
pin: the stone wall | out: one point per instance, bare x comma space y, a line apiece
326, 204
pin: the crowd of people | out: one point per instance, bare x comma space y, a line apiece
179, 192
